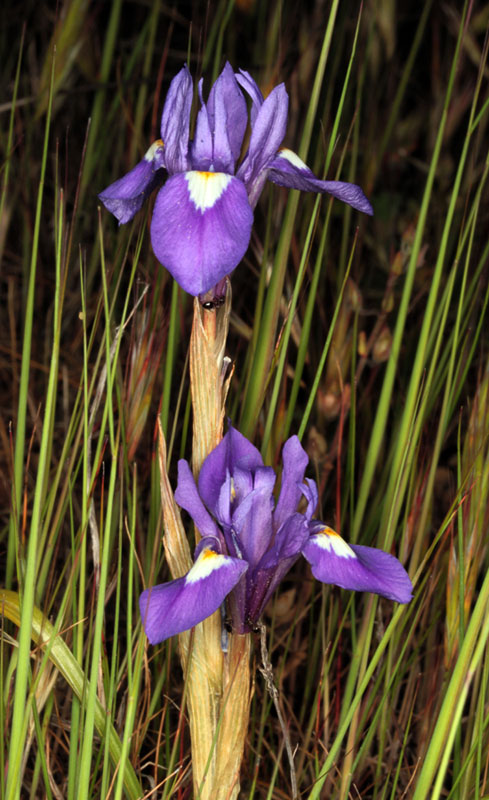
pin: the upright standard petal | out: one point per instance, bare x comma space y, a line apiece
124, 197
202, 144
175, 121
287, 169
251, 87
233, 450
364, 569
174, 607
266, 137
295, 460
252, 519
201, 228
228, 118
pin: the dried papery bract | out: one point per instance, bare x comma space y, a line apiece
218, 683
209, 385
201, 659
208, 380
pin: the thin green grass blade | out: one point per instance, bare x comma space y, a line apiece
27, 580
382, 414
267, 325
45, 635
441, 742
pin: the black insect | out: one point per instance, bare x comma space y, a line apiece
212, 305
253, 625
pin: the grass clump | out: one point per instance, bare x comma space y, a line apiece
367, 337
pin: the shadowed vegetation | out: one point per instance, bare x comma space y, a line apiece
365, 336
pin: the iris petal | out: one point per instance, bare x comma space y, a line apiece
287, 169
202, 142
233, 450
251, 87
266, 137
295, 460
228, 118
252, 519
364, 569
125, 197
175, 121
201, 228
173, 607
276, 563
187, 497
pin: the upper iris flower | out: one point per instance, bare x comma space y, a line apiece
202, 217
249, 543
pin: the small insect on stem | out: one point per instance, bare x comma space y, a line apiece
214, 304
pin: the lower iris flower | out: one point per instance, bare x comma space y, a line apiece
249, 542
203, 214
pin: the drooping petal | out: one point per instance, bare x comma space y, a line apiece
187, 497
175, 121
365, 569
125, 197
233, 449
295, 460
266, 137
228, 118
251, 87
173, 607
287, 169
201, 228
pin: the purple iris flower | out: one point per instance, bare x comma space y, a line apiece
203, 214
249, 542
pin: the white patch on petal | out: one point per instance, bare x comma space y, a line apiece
150, 154
205, 188
292, 158
328, 539
207, 562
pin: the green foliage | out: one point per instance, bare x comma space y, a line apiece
368, 337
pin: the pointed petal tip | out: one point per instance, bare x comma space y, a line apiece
288, 170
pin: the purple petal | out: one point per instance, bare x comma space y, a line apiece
233, 450
187, 497
287, 169
365, 569
251, 87
201, 228
175, 121
252, 517
243, 483
289, 541
171, 608
124, 197
295, 461
228, 118
222, 509
310, 492
266, 137
202, 142
275, 564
